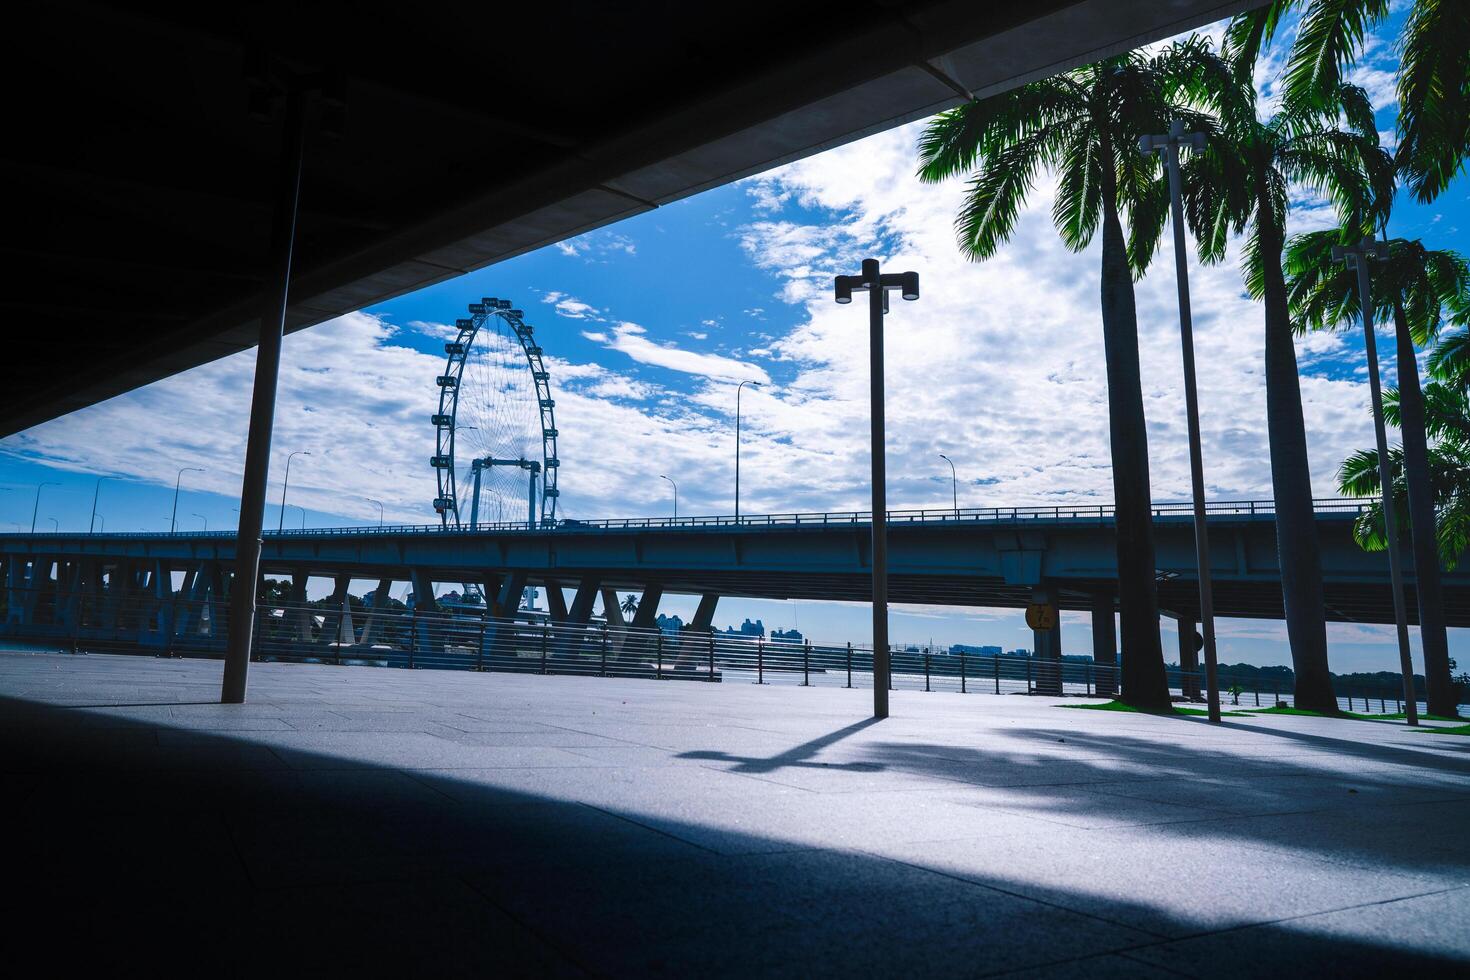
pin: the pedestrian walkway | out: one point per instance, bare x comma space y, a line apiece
375, 821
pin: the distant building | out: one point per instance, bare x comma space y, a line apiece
670, 624
792, 635
747, 628
971, 651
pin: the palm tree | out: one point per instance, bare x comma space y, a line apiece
630, 604
1433, 77
1447, 419
1239, 185
1419, 289
1084, 125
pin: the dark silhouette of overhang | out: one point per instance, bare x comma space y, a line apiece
140, 186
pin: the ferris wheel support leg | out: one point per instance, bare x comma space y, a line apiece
263, 404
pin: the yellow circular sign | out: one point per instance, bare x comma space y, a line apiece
1041, 616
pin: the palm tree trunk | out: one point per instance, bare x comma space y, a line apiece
1440, 687
1297, 548
1143, 679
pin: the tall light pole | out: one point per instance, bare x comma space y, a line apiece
1357, 257
303, 515
753, 384
954, 485
281, 523
55, 526
274, 302
1169, 144
877, 286
380, 510
102, 520
676, 494
205, 520
37, 508
173, 520
95, 492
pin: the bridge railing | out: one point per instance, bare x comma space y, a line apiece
1071, 513
319, 632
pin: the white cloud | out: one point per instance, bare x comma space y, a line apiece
632, 339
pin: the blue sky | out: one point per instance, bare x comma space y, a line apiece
648, 324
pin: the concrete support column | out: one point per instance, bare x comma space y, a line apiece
163, 603
301, 615
1104, 644
337, 624
1189, 681
380, 602
1048, 647
15, 583
581, 611
704, 615
612, 609
556, 600
646, 618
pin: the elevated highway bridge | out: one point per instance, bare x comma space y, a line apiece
1006, 557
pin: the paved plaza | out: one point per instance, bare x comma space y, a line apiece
373, 821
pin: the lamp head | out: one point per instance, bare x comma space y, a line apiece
842, 287
910, 286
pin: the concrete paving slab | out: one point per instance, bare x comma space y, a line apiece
422, 822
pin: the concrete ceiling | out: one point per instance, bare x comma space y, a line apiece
140, 187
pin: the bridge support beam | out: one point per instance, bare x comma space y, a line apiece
556, 600
704, 614
337, 624
1048, 647
612, 609
380, 602
301, 615
581, 611
1188, 658
646, 618
1104, 644
508, 600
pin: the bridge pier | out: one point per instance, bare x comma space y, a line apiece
1048, 647
1104, 644
301, 615
1188, 658
337, 624
582, 602
556, 600
380, 602
646, 618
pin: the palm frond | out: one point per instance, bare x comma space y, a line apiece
1327, 43
1434, 95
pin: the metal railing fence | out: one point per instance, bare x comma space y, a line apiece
458, 640
1101, 513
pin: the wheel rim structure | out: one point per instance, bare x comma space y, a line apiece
494, 402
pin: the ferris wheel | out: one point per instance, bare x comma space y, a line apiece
495, 430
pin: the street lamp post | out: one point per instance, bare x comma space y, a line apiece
877, 286
380, 510
303, 515
101, 520
753, 384
173, 519
55, 525
676, 494
205, 520
95, 492
37, 508
954, 485
1357, 257
281, 522
1169, 144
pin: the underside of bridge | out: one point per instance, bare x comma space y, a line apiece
145, 141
